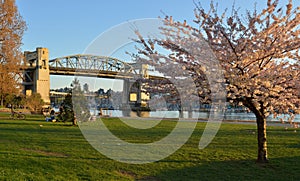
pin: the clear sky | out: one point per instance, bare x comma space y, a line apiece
67, 27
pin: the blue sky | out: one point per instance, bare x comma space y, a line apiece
67, 27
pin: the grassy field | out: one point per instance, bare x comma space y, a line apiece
33, 149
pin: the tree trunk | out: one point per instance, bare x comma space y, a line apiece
74, 121
262, 156
190, 112
2, 100
181, 113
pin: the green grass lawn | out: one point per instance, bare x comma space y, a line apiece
58, 151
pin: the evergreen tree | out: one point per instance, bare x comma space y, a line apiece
75, 106
66, 110
80, 103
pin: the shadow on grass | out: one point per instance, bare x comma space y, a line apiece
28, 127
31, 121
286, 168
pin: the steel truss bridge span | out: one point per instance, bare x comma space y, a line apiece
38, 68
91, 65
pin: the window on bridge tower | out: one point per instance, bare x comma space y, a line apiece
44, 63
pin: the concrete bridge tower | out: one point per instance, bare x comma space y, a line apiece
133, 92
36, 74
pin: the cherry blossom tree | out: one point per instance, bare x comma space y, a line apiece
258, 53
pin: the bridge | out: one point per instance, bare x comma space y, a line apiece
38, 68
90, 65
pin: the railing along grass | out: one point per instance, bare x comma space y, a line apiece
33, 149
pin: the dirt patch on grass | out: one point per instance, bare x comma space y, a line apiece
127, 173
46, 153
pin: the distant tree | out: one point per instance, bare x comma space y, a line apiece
76, 85
100, 91
12, 28
34, 102
15, 100
66, 89
86, 88
258, 52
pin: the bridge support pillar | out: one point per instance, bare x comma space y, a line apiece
143, 95
135, 97
37, 75
126, 109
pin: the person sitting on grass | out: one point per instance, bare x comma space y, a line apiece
52, 116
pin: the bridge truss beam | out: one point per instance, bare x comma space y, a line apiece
91, 65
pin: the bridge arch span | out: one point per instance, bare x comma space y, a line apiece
91, 65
